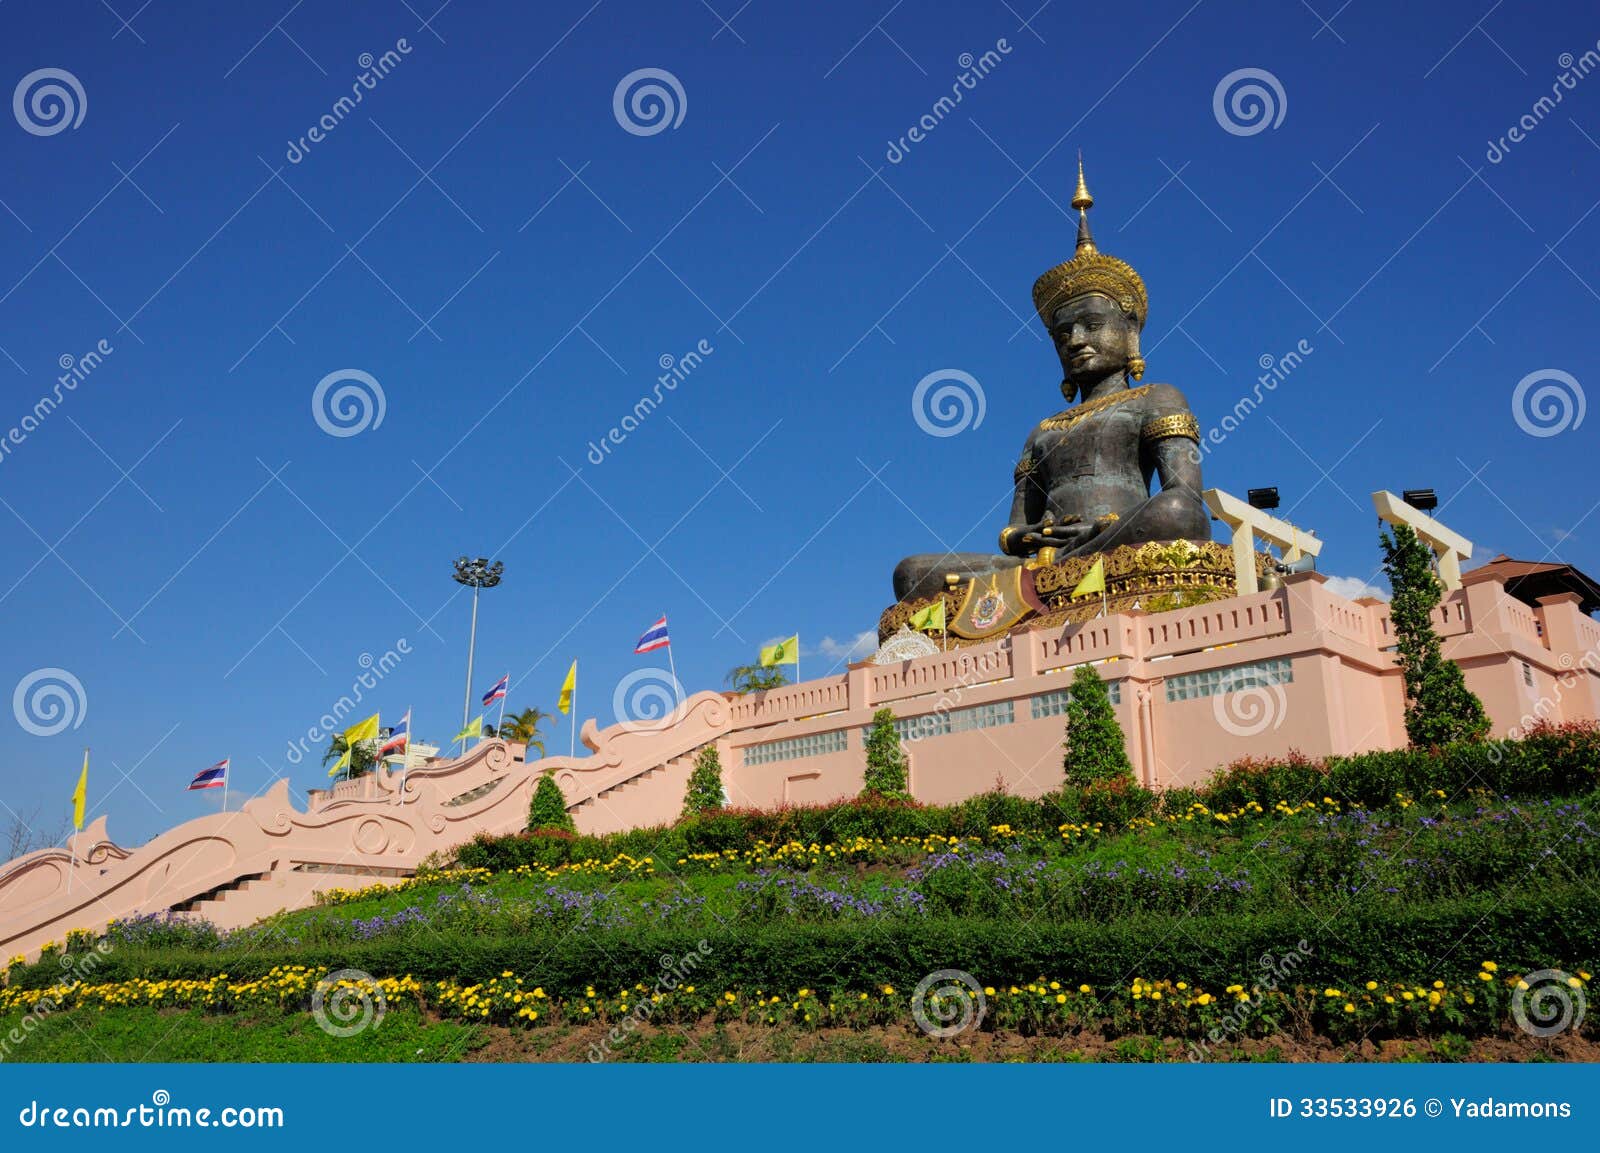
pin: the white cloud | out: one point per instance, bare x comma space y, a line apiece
863, 644
1352, 588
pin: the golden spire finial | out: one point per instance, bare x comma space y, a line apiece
1082, 201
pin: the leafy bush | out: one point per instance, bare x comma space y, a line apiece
1551, 760
705, 783
1095, 747
886, 764
549, 807
1114, 802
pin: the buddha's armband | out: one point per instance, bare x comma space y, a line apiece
1178, 424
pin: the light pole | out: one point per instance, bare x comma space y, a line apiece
479, 573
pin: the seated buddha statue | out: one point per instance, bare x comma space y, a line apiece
1084, 481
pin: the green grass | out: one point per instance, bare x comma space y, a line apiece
138, 1033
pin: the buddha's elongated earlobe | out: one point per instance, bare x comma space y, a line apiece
1068, 390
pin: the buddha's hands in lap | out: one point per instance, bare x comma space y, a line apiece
1031, 538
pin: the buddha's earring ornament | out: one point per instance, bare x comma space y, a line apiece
1135, 362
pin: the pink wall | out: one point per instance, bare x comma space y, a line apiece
1333, 688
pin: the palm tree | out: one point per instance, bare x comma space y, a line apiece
524, 727
363, 757
755, 678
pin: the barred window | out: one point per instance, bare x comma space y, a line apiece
955, 721
1261, 674
1054, 704
793, 748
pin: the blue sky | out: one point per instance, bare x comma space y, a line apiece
485, 240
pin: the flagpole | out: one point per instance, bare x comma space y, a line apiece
405, 759
226, 773
572, 735
672, 666
72, 852
500, 723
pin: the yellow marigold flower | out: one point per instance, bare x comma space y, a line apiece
1349, 1008
1061, 998
1485, 976
1084, 989
1490, 967
1371, 985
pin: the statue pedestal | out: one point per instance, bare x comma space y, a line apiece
1154, 577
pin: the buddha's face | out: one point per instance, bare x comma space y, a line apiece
1094, 338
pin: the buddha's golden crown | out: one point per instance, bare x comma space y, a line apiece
1090, 271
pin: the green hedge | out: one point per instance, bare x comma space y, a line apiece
1544, 927
1552, 761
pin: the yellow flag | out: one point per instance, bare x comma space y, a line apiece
474, 729
1093, 582
365, 731
341, 764
783, 653
568, 687
78, 794
931, 617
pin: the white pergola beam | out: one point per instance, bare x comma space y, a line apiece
1449, 546
1247, 523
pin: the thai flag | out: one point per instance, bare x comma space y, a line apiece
215, 777
655, 637
399, 737
499, 690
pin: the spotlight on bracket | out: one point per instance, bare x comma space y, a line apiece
1421, 499
1263, 498
1305, 563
